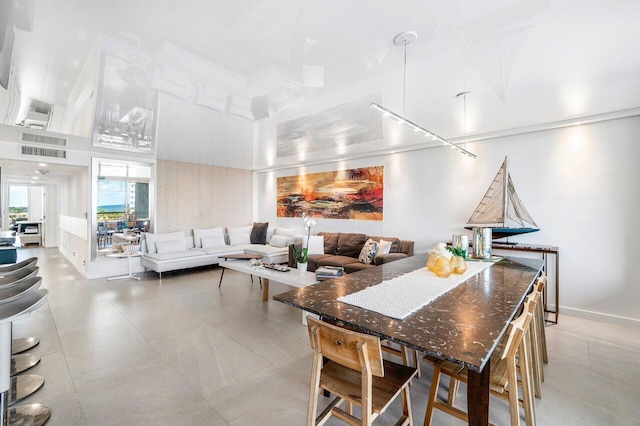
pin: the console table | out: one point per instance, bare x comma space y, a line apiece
544, 250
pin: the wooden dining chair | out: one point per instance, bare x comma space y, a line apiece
536, 336
542, 283
408, 356
506, 366
355, 372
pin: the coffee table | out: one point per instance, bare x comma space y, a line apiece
243, 256
291, 277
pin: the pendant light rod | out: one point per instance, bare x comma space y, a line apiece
403, 39
420, 129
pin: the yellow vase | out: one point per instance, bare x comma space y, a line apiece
442, 267
431, 261
458, 264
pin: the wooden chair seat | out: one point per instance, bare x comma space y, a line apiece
347, 383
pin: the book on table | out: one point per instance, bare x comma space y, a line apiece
328, 272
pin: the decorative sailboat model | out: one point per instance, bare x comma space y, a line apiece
501, 209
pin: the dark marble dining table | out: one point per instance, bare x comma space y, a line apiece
464, 325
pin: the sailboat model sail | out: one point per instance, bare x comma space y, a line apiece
502, 209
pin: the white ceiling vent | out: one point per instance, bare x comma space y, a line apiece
47, 140
43, 152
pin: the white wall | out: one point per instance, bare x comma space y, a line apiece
74, 202
580, 184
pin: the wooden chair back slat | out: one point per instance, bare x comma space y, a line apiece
341, 345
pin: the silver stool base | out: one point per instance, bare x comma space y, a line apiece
23, 362
24, 386
28, 415
23, 344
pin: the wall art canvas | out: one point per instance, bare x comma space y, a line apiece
349, 123
355, 194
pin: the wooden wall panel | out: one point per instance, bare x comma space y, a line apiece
198, 196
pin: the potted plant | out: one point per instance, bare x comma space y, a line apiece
301, 256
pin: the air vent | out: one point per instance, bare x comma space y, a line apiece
43, 152
48, 140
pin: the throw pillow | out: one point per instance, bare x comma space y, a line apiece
289, 233
279, 241
384, 247
198, 234
316, 244
152, 239
217, 241
170, 246
368, 252
235, 239
259, 233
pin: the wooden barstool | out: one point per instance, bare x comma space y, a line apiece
505, 368
356, 373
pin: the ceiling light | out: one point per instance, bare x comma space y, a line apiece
403, 39
35, 177
42, 164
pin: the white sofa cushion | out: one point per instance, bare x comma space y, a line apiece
286, 232
152, 239
213, 241
235, 239
265, 250
175, 255
170, 246
270, 233
198, 234
223, 250
315, 245
243, 230
278, 241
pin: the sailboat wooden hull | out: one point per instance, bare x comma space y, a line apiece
508, 232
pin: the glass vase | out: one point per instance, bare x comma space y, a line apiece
442, 267
458, 264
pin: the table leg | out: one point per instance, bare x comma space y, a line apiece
557, 286
478, 396
221, 275
265, 289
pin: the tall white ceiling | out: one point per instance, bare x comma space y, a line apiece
583, 54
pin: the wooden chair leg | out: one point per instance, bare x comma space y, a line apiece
406, 407
433, 395
527, 385
536, 357
453, 391
314, 391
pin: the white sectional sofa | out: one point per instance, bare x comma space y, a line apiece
173, 251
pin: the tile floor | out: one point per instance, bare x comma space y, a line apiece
182, 352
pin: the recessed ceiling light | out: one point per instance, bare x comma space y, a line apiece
42, 164
32, 182
35, 177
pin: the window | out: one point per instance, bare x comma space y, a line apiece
18, 203
123, 192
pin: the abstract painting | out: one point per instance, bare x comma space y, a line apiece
355, 194
345, 124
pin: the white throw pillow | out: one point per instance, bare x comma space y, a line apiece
170, 246
368, 252
152, 239
278, 241
270, 233
235, 239
384, 247
217, 241
198, 234
289, 233
316, 244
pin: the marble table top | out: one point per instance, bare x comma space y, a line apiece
464, 325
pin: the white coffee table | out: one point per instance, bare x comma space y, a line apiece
130, 256
292, 277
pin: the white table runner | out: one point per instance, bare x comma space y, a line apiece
401, 296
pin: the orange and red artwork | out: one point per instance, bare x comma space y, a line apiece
355, 194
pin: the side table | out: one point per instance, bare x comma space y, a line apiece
130, 256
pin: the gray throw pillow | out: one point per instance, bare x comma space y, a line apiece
259, 233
